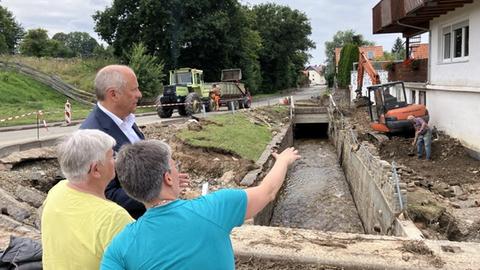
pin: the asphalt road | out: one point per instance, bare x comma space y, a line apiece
28, 135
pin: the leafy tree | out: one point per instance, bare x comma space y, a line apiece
56, 48
340, 39
285, 41
3, 45
79, 43
61, 37
210, 34
10, 32
149, 70
387, 56
348, 56
398, 49
36, 43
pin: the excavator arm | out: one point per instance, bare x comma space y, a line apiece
364, 65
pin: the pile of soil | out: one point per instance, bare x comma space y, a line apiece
450, 163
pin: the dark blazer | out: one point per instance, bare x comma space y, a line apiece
97, 119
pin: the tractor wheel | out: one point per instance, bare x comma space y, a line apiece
164, 112
247, 103
210, 105
193, 104
182, 111
241, 104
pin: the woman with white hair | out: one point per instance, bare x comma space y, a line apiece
78, 222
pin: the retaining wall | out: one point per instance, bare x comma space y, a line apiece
371, 182
281, 141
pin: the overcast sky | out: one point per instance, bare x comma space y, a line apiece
326, 18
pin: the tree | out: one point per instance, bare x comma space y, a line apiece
348, 56
149, 70
211, 35
81, 43
10, 32
338, 41
78, 43
36, 43
398, 49
285, 39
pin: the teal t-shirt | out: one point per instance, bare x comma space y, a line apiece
184, 234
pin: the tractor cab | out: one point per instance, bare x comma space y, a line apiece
386, 97
389, 110
186, 80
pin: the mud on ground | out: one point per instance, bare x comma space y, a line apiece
26, 177
443, 194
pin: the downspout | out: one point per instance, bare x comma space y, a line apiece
413, 26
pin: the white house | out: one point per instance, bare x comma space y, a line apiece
315, 75
452, 89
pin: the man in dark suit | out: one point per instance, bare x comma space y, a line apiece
117, 92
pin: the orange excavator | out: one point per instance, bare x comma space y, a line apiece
389, 109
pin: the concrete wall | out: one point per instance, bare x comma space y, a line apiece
366, 82
281, 141
259, 247
370, 180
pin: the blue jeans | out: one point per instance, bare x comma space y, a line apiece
425, 139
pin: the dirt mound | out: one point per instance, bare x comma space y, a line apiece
450, 163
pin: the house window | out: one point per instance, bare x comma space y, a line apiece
413, 97
422, 98
455, 39
370, 55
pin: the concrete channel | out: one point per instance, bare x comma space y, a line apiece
339, 208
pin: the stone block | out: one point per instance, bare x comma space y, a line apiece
13, 208
30, 195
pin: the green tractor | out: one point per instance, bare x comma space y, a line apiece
186, 92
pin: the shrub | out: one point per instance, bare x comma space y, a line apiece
149, 71
390, 66
348, 56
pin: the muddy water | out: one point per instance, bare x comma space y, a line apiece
316, 194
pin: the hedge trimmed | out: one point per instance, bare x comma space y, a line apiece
348, 56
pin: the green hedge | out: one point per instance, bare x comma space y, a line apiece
348, 56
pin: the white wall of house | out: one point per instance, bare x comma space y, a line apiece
453, 92
459, 71
315, 78
383, 74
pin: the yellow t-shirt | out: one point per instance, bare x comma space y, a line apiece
77, 227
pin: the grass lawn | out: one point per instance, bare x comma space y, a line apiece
19, 95
233, 133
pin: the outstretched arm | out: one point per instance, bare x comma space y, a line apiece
259, 196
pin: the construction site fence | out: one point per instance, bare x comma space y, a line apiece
42, 113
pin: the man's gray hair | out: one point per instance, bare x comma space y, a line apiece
78, 151
110, 76
141, 167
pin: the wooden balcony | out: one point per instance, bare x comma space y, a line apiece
410, 17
